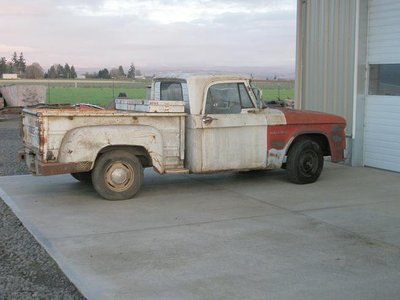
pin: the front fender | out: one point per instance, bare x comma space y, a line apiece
84, 143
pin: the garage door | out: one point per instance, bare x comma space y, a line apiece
382, 110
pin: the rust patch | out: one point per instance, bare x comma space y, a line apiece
279, 144
42, 136
337, 134
50, 156
63, 168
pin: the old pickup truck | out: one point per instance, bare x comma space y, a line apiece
195, 123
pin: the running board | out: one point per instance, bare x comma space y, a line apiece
177, 171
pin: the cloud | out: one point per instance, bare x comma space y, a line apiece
151, 33
167, 12
11, 48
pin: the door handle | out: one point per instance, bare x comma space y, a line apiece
207, 119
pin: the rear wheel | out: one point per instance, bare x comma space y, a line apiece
85, 177
305, 162
117, 175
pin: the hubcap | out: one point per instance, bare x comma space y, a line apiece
119, 176
309, 163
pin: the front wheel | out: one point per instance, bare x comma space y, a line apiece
305, 162
117, 175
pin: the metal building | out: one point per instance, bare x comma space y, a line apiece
348, 63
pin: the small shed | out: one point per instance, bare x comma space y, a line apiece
9, 76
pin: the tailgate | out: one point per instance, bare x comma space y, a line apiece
31, 130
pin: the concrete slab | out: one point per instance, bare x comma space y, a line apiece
224, 236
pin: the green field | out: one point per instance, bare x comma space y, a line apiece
102, 94
99, 95
276, 89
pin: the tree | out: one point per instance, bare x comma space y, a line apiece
138, 72
131, 72
104, 74
67, 71
52, 72
121, 71
34, 71
73, 72
14, 58
91, 75
13, 64
114, 73
21, 64
3, 66
60, 71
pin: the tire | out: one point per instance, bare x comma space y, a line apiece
305, 162
85, 177
117, 175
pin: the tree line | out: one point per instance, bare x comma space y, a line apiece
17, 65
116, 73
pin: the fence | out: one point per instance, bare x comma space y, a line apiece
102, 92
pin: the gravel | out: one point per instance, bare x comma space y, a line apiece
26, 270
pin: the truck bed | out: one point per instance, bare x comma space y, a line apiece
44, 130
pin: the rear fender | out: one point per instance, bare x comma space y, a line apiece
84, 143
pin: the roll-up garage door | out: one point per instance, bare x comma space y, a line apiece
382, 109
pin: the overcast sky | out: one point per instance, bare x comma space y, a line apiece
158, 33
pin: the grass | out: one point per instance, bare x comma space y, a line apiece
276, 89
269, 94
99, 96
101, 93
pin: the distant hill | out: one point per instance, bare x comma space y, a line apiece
257, 72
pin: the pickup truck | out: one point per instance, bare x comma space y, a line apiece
195, 123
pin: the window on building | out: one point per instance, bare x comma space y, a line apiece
384, 79
227, 98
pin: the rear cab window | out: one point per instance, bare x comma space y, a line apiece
172, 90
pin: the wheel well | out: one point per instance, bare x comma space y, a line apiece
141, 153
319, 138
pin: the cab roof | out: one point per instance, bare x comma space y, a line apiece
197, 84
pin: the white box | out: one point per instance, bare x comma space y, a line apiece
166, 106
149, 106
132, 105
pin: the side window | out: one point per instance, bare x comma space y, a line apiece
227, 98
171, 91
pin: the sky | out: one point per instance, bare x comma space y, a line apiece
153, 34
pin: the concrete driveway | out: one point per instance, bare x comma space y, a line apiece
224, 236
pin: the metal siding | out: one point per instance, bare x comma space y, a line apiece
328, 49
384, 31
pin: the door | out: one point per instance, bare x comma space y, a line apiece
382, 106
230, 134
